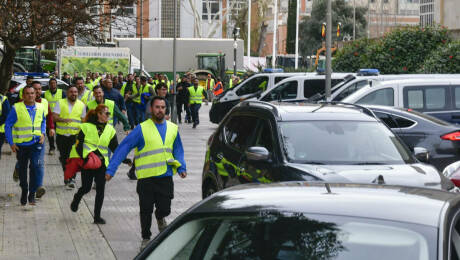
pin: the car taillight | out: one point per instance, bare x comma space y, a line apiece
455, 136
455, 178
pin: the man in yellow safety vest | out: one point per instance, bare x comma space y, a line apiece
158, 156
67, 115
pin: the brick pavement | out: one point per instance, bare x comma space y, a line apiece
51, 230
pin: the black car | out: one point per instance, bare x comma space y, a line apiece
440, 138
299, 220
268, 142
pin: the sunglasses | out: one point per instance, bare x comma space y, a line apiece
107, 113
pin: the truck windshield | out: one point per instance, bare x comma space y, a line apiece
208, 63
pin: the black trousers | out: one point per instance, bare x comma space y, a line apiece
64, 145
50, 140
87, 177
154, 192
2, 140
183, 107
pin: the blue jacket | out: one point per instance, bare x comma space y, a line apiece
136, 140
13, 118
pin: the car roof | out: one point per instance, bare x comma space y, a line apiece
300, 111
395, 203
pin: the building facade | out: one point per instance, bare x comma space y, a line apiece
443, 12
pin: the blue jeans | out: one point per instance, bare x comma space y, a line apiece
194, 110
131, 107
25, 155
140, 113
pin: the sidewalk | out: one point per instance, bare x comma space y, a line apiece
51, 230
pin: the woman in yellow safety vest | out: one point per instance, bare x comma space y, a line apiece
96, 136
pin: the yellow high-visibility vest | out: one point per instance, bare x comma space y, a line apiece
95, 142
52, 99
153, 159
73, 127
109, 103
196, 97
24, 130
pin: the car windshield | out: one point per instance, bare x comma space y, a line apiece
342, 142
274, 235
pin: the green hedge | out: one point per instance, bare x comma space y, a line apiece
403, 50
443, 60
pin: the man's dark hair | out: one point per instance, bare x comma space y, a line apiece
27, 86
157, 98
52, 79
96, 87
143, 78
161, 85
136, 76
36, 82
30, 77
79, 78
72, 86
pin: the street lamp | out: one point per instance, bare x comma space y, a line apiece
236, 33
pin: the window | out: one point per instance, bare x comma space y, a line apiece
403, 122
210, 9
457, 97
387, 119
264, 137
238, 130
312, 87
426, 97
253, 85
415, 99
351, 89
435, 98
278, 79
285, 91
383, 97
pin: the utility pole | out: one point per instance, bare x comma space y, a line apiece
297, 35
142, 34
354, 20
328, 49
275, 26
248, 51
173, 107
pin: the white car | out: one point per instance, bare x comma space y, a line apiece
20, 83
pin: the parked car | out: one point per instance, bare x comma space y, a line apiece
302, 87
247, 89
20, 83
437, 97
301, 220
266, 142
440, 138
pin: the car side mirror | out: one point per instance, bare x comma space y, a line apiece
452, 172
422, 154
257, 154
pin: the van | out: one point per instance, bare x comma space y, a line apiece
247, 89
303, 87
434, 96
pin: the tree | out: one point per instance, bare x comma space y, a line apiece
35, 22
310, 27
291, 26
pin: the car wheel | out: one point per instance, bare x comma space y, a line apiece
209, 189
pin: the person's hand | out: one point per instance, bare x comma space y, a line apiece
14, 148
188, 105
42, 139
67, 120
127, 132
52, 132
108, 177
183, 174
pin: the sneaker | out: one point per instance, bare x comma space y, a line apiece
51, 152
40, 192
31, 198
194, 125
131, 175
71, 184
144, 243
99, 220
161, 224
16, 175
24, 198
74, 205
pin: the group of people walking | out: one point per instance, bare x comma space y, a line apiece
80, 122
